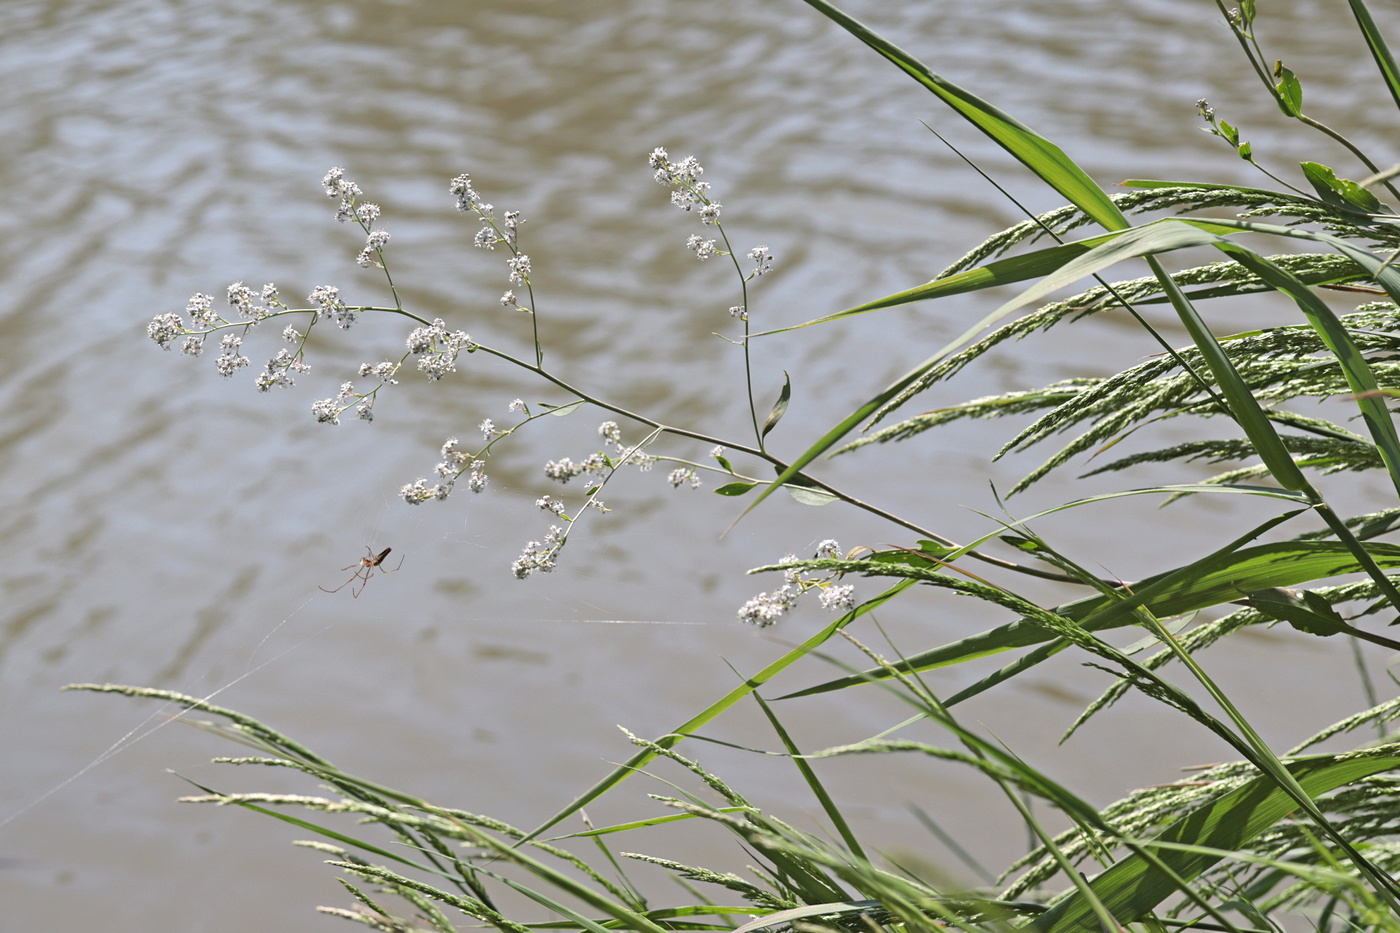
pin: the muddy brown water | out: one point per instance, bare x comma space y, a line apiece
163, 526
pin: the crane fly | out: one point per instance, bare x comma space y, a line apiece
364, 569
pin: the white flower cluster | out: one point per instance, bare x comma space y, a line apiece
338, 186
249, 308
538, 556
165, 329
327, 301
684, 177
467, 198
437, 349
564, 469
766, 608
455, 462
612, 435
384, 372
229, 357
702, 248
280, 368
506, 231
688, 192
329, 410
374, 244
763, 260
682, 475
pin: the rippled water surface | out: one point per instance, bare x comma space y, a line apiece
163, 526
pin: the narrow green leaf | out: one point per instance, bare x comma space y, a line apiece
1131, 888
675, 736
1349, 357
1244, 407
1044, 158
734, 489
1282, 564
1007, 271
833, 812
1380, 52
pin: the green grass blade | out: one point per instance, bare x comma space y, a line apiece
814, 783
627, 918
629, 767
1131, 888
643, 824
1001, 272
1188, 589
1044, 158
1358, 373
348, 841
1243, 406
1379, 50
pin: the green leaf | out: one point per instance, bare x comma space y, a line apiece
1380, 52
1131, 888
1204, 584
806, 496
734, 489
1008, 271
1288, 91
676, 735
562, 410
1044, 158
779, 407
1341, 193
1304, 610
1349, 357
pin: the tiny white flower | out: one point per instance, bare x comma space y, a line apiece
762, 258
702, 248
326, 411
838, 597
165, 328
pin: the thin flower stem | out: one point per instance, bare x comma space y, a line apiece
764, 455
744, 315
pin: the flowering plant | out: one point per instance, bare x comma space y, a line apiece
1296, 831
